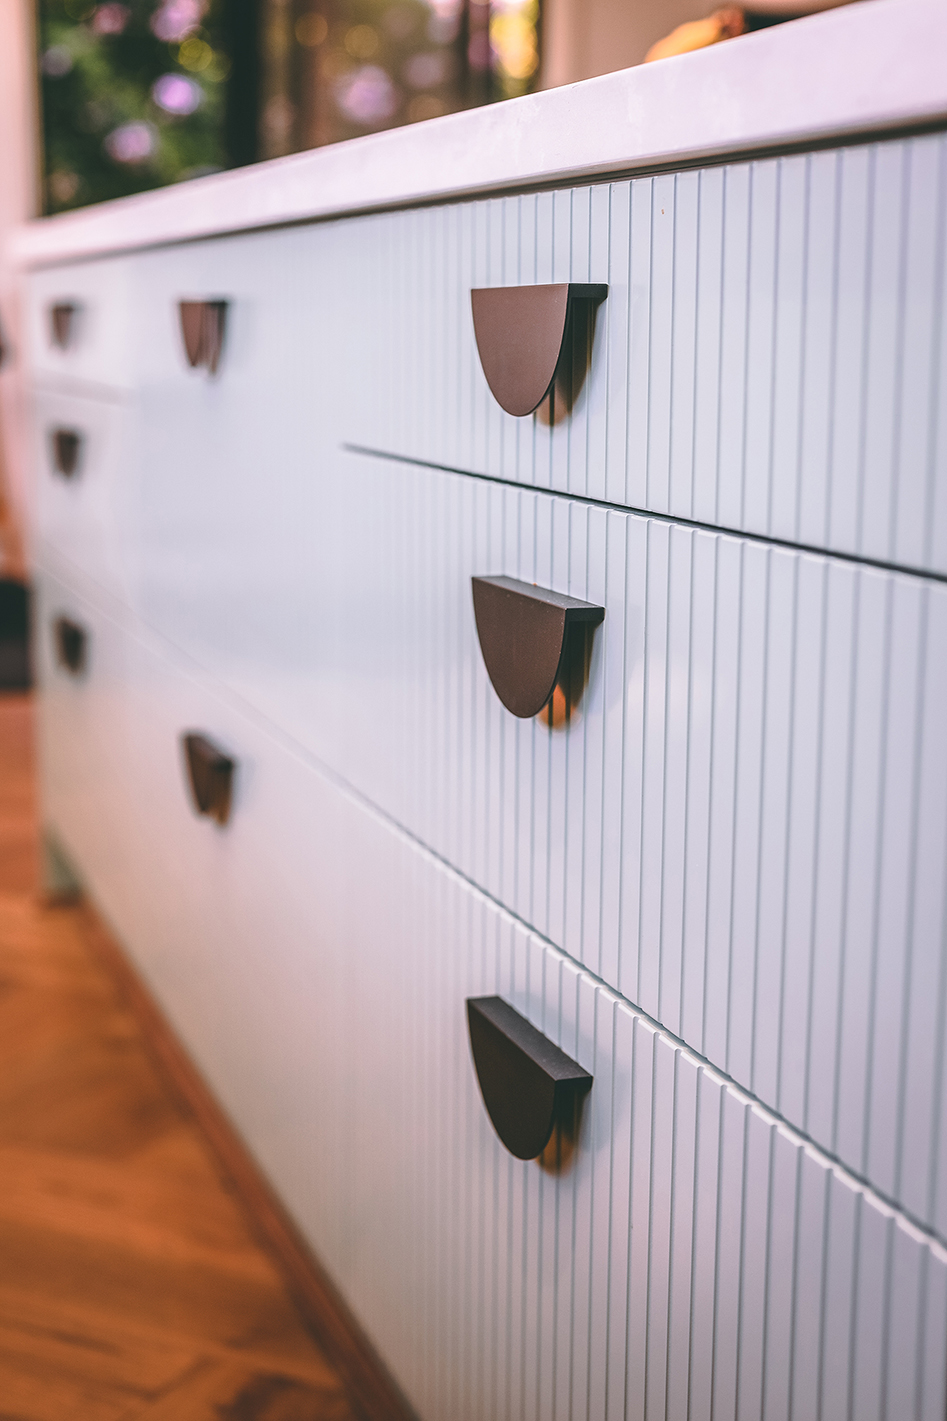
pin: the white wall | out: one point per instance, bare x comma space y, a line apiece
583, 38
19, 197
587, 37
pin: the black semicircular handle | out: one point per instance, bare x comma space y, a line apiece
210, 773
62, 323
202, 330
72, 645
67, 447
522, 631
528, 1084
521, 332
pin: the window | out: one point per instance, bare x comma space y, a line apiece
139, 94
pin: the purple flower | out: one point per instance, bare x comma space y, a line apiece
176, 19
57, 61
176, 94
131, 143
110, 19
367, 95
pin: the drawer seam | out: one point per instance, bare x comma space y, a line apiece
673, 519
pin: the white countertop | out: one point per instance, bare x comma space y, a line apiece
875, 66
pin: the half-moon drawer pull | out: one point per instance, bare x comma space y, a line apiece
72, 645
528, 1085
202, 329
210, 775
67, 447
523, 633
521, 335
62, 323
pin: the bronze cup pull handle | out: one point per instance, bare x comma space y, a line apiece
202, 330
521, 334
524, 636
528, 1085
210, 774
72, 645
67, 449
62, 323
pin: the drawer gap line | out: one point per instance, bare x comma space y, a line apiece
673, 519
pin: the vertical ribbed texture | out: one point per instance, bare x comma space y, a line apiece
696, 1260
770, 356
742, 830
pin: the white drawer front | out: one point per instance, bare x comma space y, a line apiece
770, 358
222, 922
228, 461
102, 344
743, 829
287, 343
288, 340
91, 515
696, 1259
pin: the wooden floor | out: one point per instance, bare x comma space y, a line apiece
130, 1285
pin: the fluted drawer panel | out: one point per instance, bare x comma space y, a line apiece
696, 1259
770, 358
743, 829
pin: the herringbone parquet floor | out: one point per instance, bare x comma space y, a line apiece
130, 1285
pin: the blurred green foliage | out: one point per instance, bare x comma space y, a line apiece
134, 91
117, 82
